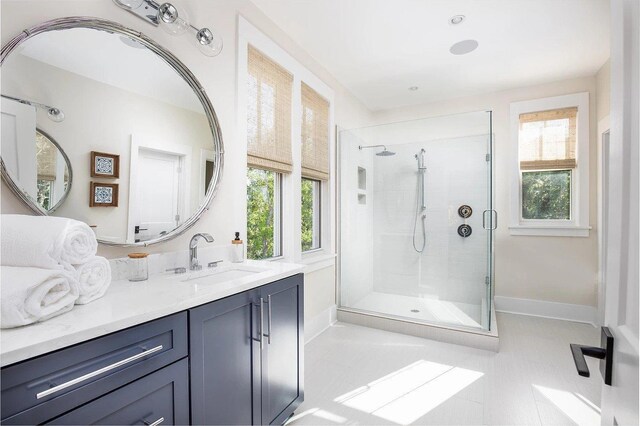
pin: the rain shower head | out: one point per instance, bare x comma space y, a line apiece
384, 153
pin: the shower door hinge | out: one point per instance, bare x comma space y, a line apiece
487, 157
487, 281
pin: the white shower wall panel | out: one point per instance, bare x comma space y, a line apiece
451, 267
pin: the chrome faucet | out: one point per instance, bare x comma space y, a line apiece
194, 265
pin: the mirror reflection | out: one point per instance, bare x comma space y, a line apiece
53, 172
131, 128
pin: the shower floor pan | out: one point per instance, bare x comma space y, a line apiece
435, 319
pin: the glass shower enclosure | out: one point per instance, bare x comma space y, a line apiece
416, 220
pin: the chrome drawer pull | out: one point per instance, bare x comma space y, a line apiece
156, 423
97, 372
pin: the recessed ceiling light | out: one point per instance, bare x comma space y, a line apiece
456, 19
463, 47
413, 88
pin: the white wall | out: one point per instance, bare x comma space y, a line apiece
218, 76
556, 269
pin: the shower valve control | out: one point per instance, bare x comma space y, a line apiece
464, 230
465, 211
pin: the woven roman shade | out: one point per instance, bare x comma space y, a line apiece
46, 158
268, 114
315, 135
547, 139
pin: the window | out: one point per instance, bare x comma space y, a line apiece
311, 211
264, 206
289, 116
315, 163
269, 157
551, 193
547, 147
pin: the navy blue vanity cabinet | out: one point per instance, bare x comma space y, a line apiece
159, 398
246, 356
282, 357
224, 371
40, 389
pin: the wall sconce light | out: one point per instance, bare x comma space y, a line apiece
166, 16
54, 114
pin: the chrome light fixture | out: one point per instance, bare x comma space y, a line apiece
167, 17
54, 114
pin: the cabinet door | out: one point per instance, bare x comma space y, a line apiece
225, 362
282, 356
159, 398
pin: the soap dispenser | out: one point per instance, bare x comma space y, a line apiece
237, 249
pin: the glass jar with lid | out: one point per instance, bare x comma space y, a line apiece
138, 267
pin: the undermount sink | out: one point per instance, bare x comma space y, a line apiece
223, 273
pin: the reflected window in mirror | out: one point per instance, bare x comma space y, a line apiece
53, 172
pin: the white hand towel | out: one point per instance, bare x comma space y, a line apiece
94, 277
45, 241
29, 295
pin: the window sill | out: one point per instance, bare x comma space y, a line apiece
549, 231
317, 259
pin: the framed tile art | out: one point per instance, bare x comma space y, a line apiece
105, 165
103, 195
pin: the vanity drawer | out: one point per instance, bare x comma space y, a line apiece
161, 398
39, 389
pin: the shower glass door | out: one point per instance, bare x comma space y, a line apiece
416, 219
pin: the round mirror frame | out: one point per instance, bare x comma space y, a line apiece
173, 62
70, 172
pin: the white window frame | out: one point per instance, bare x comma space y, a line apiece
248, 34
277, 215
578, 225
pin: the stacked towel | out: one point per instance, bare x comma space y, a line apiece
33, 294
94, 277
39, 255
46, 242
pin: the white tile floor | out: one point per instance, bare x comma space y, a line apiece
357, 375
428, 309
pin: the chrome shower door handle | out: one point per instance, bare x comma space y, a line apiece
494, 222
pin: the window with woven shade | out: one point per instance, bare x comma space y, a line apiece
547, 139
269, 91
315, 135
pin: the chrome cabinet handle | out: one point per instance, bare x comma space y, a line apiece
268, 335
156, 423
261, 305
97, 372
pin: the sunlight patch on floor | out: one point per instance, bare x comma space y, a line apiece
326, 416
409, 393
575, 406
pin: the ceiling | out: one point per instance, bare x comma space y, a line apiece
379, 48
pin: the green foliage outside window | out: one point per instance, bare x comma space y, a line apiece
45, 188
307, 214
261, 221
546, 195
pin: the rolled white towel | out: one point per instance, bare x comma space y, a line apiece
45, 241
29, 295
94, 277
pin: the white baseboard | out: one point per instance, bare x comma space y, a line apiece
319, 323
541, 308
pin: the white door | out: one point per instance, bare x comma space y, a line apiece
620, 400
158, 192
19, 144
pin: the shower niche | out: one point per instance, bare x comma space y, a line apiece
401, 255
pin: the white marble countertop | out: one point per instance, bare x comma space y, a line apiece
130, 303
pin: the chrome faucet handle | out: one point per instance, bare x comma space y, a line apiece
178, 270
214, 263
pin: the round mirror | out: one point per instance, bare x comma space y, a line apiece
124, 114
